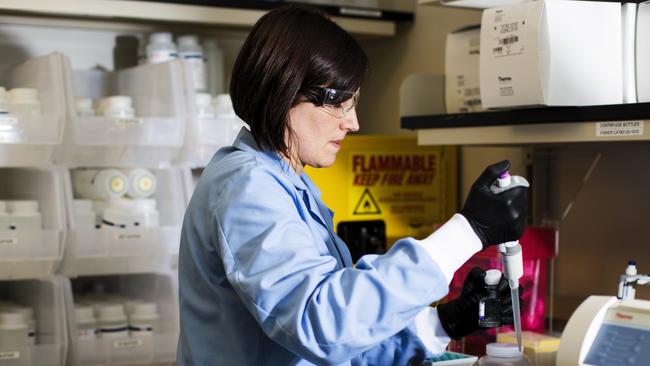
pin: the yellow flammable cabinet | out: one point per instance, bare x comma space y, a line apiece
411, 188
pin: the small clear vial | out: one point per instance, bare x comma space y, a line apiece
24, 215
86, 322
13, 330
191, 51
112, 321
161, 48
142, 183
144, 319
489, 307
24, 102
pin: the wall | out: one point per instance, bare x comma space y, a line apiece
419, 47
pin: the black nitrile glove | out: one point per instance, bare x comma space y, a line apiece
496, 218
459, 317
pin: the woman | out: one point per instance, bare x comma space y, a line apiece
263, 278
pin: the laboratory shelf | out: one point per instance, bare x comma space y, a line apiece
156, 348
485, 4
46, 298
30, 139
111, 250
29, 252
177, 13
621, 122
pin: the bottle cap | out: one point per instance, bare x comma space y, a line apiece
23, 95
84, 313
142, 183
160, 37
108, 312
84, 103
118, 101
22, 206
203, 99
188, 40
503, 350
492, 277
504, 179
145, 309
79, 205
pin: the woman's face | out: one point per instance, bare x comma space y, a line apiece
317, 135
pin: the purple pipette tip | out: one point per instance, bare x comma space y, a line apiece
504, 175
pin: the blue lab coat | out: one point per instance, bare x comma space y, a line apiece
264, 281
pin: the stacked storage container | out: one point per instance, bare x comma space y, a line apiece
32, 219
125, 203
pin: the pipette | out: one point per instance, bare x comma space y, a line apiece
511, 256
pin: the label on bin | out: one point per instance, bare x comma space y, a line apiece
9, 355
8, 241
130, 343
128, 236
127, 121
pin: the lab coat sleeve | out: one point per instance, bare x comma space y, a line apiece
297, 295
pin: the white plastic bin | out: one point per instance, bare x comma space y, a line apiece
46, 297
33, 253
128, 350
31, 140
152, 138
107, 250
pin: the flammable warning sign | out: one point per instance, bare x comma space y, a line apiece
404, 183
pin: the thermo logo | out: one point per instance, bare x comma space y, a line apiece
504, 78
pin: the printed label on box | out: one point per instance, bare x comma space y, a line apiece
8, 241
9, 355
128, 236
619, 128
507, 32
131, 343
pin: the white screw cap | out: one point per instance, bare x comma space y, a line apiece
503, 350
492, 277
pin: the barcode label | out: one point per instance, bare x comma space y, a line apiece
508, 40
9, 355
131, 343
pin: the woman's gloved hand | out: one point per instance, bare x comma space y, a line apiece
459, 317
496, 218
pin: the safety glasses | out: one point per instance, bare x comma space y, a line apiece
337, 103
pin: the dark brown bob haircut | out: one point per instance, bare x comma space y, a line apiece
290, 47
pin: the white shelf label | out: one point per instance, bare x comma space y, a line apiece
619, 128
127, 121
8, 241
9, 355
131, 343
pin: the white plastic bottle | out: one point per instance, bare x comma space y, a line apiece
4, 216
24, 102
161, 48
84, 216
3, 101
125, 213
118, 106
191, 51
99, 184
112, 322
86, 322
214, 66
142, 183
144, 319
28, 316
204, 105
13, 330
84, 107
24, 215
503, 354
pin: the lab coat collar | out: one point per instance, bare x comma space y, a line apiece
246, 142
